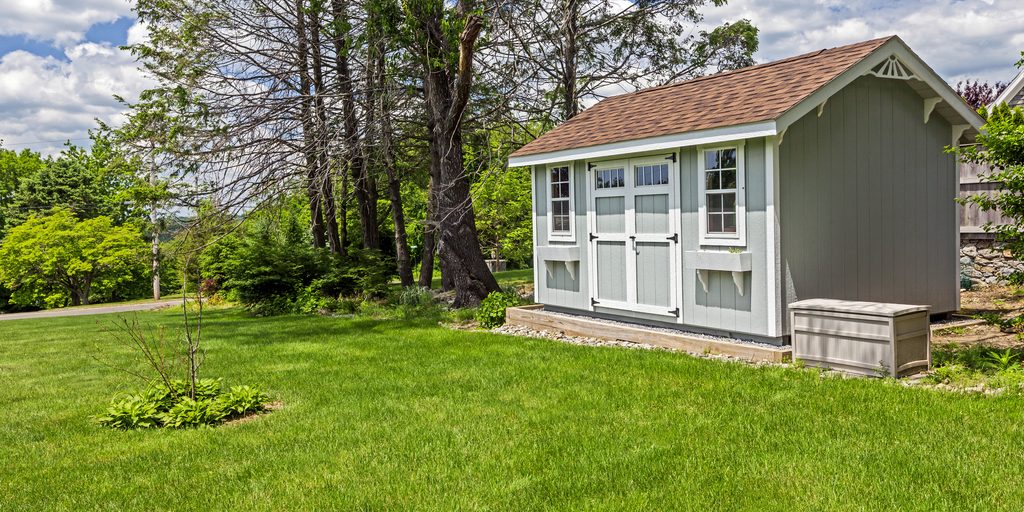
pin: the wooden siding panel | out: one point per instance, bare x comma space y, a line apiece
722, 307
652, 268
888, 233
611, 270
652, 213
555, 283
610, 214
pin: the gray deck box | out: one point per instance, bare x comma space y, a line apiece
867, 338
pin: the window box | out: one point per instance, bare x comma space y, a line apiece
704, 262
568, 255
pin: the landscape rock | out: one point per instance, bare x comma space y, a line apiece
985, 262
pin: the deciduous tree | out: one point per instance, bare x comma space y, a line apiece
54, 259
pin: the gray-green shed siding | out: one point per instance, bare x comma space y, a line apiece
867, 207
560, 287
722, 309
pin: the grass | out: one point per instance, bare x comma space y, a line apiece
407, 415
506, 278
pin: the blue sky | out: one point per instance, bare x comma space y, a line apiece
60, 63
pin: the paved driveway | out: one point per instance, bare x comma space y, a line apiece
93, 310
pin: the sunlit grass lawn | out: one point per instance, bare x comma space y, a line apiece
391, 415
506, 278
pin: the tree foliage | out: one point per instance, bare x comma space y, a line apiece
979, 94
15, 167
1001, 148
58, 259
560, 55
93, 182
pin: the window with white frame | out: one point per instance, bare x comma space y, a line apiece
721, 202
650, 174
560, 213
610, 178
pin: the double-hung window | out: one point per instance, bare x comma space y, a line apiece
560, 212
722, 213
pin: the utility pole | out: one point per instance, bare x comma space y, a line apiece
154, 222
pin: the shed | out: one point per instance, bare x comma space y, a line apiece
711, 204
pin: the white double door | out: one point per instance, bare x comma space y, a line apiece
634, 235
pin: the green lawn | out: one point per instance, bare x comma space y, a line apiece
506, 278
389, 415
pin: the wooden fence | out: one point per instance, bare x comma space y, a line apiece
972, 219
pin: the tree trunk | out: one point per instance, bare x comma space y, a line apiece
154, 221
323, 163
461, 258
364, 188
569, 30
343, 213
308, 131
429, 234
447, 95
394, 181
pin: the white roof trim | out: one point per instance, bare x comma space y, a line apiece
910, 60
695, 138
1011, 90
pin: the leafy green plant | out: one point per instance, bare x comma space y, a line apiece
187, 412
57, 259
171, 407
1016, 278
1001, 361
1011, 379
241, 400
953, 374
1008, 325
463, 315
415, 302
135, 411
492, 309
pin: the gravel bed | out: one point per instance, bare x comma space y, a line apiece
518, 330
667, 330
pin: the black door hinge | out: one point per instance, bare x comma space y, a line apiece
671, 157
593, 301
674, 312
593, 237
674, 238
591, 166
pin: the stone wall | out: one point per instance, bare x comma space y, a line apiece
985, 262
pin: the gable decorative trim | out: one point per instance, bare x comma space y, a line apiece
892, 68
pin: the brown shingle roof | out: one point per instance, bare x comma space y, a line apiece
757, 93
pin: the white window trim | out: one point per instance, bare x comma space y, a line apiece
738, 239
561, 236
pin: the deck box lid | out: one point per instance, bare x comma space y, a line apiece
856, 307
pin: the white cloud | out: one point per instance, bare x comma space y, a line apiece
63, 22
137, 33
48, 100
958, 38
